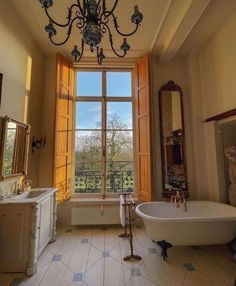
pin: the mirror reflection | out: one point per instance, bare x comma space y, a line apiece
14, 152
172, 138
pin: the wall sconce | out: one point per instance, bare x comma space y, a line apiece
38, 143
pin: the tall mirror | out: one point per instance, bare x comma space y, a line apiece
173, 158
14, 148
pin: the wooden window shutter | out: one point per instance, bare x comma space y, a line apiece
143, 130
63, 128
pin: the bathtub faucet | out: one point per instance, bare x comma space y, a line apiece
179, 199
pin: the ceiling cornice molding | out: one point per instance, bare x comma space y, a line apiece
88, 62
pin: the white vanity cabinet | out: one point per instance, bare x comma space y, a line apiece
27, 225
45, 223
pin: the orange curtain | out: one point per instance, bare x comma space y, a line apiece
63, 128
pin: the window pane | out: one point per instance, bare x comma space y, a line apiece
119, 84
88, 177
119, 145
88, 146
89, 83
119, 115
88, 115
88, 158
120, 177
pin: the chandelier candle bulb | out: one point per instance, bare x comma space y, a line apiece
50, 29
137, 17
125, 46
91, 17
46, 3
75, 53
100, 56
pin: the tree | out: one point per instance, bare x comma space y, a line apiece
119, 154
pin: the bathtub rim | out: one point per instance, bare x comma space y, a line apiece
184, 219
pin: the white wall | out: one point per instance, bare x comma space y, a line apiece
208, 80
218, 70
197, 142
218, 78
212, 80
17, 46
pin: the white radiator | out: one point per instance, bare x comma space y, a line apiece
92, 215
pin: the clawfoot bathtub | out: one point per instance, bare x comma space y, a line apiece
204, 223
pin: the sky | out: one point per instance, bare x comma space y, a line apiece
88, 114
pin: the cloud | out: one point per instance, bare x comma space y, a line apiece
95, 108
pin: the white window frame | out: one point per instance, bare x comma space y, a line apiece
104, 194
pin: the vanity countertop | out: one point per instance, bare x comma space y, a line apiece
32, 196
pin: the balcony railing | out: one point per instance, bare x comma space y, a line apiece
91, 182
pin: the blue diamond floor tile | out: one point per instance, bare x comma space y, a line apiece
152, 250
57, 258
16, 282
136, 272
84, 240
78, 277
106, 254
189, 267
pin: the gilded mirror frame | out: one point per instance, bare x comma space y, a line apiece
6, 121
171, 86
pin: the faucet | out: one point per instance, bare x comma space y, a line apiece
25, 185
179, 199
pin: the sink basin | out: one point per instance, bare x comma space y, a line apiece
32, 196
29, 195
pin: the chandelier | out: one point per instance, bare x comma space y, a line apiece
91, 17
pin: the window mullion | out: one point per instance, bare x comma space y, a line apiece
104, 133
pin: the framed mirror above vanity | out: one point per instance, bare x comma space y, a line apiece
15, 138
172, 136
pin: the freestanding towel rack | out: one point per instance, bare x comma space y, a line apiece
129, 204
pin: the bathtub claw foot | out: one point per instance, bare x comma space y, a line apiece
164, 246
232, 247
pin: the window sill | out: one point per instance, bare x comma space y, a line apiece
95, 201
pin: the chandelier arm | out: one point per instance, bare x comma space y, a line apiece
80, 25
111, 42
68, 34
99, 1
117, 28
68, 17
85, 5
104, 6
80, 8
82, 51
108, 13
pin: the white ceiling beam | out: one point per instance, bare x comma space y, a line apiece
161, 23
181, 28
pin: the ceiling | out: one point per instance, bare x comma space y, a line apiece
169, 28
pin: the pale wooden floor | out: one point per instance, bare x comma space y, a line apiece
94, 257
